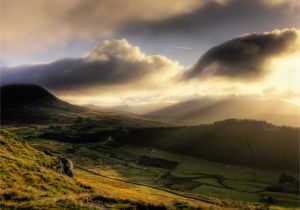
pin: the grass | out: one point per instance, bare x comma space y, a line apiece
226, 193
245, 186
209, 182
28, 182
121, 190
237, 179
115, 172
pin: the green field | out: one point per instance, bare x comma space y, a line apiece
29, 182
193, 178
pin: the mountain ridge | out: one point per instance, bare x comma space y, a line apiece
30, 103
197, 111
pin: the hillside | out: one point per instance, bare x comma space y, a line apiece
28, 181
139, 109
273, 147
32, 104
120, 176
206, 110
253, 143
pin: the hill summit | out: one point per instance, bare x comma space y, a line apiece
25, 94
30, 103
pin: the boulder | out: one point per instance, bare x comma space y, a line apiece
65, 166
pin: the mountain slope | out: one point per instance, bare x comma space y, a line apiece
205, 110
32, 103
35, 105
20, 95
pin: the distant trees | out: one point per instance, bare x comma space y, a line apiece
241, 142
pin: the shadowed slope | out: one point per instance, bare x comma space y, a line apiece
241, 142
32, 104
20, 95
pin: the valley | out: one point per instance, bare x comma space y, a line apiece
150, 105
155, 176
126, 161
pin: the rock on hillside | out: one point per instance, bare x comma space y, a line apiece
28, 182
65, 166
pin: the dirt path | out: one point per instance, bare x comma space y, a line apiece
157, 188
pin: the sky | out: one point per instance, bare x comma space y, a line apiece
132, 52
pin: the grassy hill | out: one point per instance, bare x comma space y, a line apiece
27, 182
206, 110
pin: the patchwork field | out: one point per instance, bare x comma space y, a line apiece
29, 181
146, 174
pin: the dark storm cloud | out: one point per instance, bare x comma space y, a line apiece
245, 57
112, 63
73, 73
218, 20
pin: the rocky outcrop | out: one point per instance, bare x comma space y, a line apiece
65, 166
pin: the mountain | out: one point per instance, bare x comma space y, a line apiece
21, 95
136, 109
203, 111
31, 103
35, 106
28, 103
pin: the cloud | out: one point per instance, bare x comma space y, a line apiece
286, 93
209, 24
39, 27
36, 26
112, 63
215, 20
245, 57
